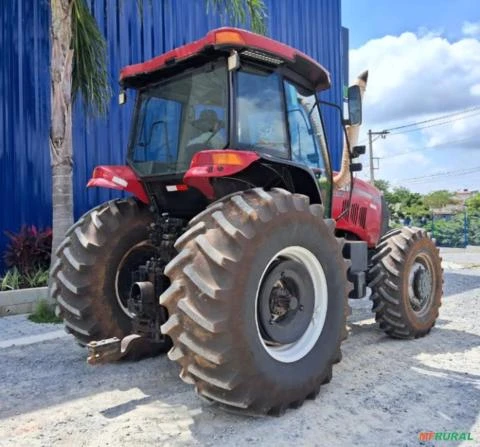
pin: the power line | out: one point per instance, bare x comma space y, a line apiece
449, 115
438, 121
444, 120
441, 174
475, 113
445, 143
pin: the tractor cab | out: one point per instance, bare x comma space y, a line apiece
233, 91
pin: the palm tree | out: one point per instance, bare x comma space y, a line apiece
78, 66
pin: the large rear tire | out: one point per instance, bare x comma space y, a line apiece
257, 301
406, 279
91, 279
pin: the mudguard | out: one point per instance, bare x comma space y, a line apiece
119, 177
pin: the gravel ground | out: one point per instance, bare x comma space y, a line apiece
384, 392
17, 326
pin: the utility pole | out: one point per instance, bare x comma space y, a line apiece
370, 152
382, 134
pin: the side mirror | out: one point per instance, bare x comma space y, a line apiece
354, 106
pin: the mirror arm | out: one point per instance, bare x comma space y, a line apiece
331, 104
344, 122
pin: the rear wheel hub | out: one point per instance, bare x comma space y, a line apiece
286, 302
421, 284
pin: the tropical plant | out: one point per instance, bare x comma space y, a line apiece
11, 280
78, 66
37, 278
14, 279
28, 250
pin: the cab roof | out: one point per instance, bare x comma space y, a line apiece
248, 44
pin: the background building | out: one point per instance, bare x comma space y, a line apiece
313, 26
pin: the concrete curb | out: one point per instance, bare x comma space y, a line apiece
21, 301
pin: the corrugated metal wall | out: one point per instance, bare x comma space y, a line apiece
312, 26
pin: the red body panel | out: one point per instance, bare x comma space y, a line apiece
204, 167
315, 72
365, 217
118, 177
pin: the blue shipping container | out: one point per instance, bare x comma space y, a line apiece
313, 26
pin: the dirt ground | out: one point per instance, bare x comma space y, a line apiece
384, 392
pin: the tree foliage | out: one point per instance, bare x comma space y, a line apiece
90, 74
438, 199
448, 232
402, 202
473, 204
241, 12
382, 185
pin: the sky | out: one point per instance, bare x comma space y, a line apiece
423, 59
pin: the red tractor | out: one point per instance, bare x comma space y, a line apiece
240, 248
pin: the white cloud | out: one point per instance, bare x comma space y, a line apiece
411, 76
471, 29
475, 90
459, 133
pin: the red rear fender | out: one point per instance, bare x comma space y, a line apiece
209, 164
118, 177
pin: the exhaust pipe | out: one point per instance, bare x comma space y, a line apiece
343, 177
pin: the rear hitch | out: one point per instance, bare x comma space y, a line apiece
147, 313
111, 349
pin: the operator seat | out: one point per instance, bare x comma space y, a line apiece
207, 128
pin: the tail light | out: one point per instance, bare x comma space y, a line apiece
223, 158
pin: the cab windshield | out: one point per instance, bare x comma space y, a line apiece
179, 117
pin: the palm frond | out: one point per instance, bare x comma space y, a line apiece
90, 75
242, 12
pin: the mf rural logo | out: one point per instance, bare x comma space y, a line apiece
444, 436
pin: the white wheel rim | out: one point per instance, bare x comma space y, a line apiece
293, 352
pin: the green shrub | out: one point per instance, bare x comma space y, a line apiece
44, 313
14, 280
450, 233
37, 278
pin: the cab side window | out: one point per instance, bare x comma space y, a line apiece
157, 138
304, 141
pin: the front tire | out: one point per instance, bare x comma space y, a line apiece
91, 279
238, 257
406, 279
